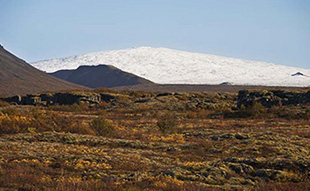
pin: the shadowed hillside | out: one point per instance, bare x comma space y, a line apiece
100, 76
18, 77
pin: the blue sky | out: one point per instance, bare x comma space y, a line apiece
275, 31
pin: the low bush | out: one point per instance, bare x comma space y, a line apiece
285, 186
69, 108
102, 127
79, 128
291, 112
257, 110
167, 123
10, 111
13, 124
3, 103
41, 121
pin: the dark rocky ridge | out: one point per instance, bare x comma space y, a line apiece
298, 74
269, 98
64, 98
100, 76
246, 98
18, 77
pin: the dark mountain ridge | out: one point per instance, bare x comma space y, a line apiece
100, 76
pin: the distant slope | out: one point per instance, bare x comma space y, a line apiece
100, 76
203, 88
18, 77
166, 66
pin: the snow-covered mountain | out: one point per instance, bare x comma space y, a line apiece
166, 66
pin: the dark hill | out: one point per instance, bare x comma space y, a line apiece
100, 76
18, 77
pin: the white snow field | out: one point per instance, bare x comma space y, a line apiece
166, 66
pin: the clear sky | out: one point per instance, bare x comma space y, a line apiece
275, 31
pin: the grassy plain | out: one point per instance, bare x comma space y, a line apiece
151, 141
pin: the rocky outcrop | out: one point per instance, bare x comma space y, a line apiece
298, 74
107, 97
71, 98
59, 98
271, 98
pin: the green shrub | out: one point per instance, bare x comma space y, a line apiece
102, 127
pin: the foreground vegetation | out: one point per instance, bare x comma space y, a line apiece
148, 141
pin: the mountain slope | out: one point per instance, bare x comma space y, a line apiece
166, 66
18, 77
100, 76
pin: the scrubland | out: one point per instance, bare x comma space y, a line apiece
155, 141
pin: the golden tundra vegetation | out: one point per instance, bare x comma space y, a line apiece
149, 141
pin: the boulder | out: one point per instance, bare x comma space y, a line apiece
107, 97
164, 94
15, 99
225, 84
31, 99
